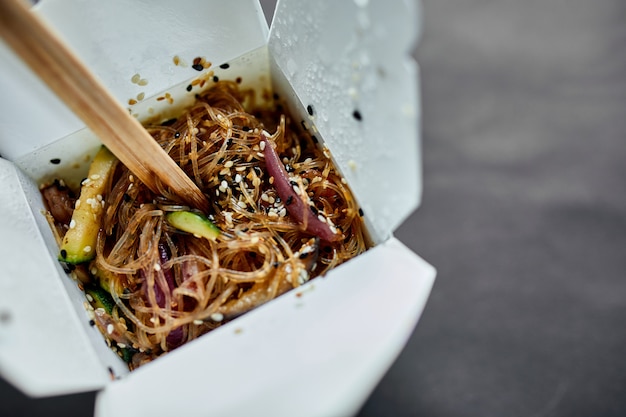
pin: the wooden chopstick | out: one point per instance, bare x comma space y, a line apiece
73, 82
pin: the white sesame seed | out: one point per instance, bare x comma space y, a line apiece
217, 317
238, 178
271, 200
135, 79
262, 145
157, 267
99, 197
72, 224
303, 276
224, 184
198, 322
77, 205
297, 190
142, 82
87, 248
265, 197
89, 298
99, 311
229, 164
272, 213
94, 177
93, 270
131, 178
121, 345
321, 218
282, 212
153, 320
242, 204
110, 329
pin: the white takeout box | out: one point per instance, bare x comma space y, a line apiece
318, 350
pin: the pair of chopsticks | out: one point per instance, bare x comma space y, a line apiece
42, 50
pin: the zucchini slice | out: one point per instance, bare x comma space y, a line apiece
79, 243
194, 223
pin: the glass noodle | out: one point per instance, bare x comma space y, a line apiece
169, 286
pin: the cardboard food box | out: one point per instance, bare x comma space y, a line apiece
346, 71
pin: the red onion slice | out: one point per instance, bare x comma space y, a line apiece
293, 201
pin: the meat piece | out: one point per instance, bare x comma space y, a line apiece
60, 201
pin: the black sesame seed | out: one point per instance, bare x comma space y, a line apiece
275, 264
168, 122
315, 140
361, 212
189, 87
220, 161
304, 255
278, 200
197, 67
177, 135
55, 161
63, 253
293, 182
289, 168
303, 124
245, 229
309, 109
276, 96
216, 78
252, 254
71, 267
224, 66
245, 128
357, 115
238, 80
126, 197
314, 210
92, 323
289, 200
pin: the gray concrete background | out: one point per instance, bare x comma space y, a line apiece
524, 216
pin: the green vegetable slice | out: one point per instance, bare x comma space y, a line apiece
79, 243
194, 223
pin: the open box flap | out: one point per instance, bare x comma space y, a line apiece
57, 357
350, 324
118, 39
342, 57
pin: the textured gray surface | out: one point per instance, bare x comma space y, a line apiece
524, 216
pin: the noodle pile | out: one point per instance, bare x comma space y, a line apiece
169, 286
